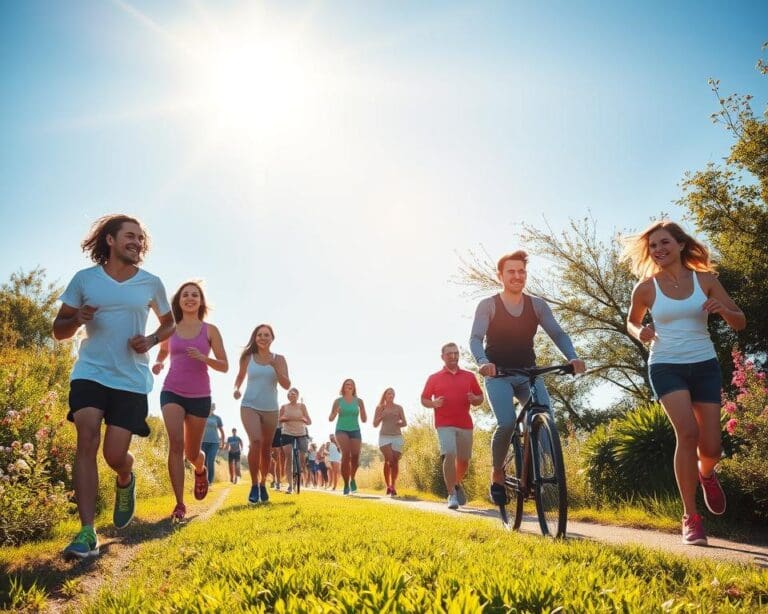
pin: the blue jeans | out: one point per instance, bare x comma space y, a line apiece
210, 450
501, 394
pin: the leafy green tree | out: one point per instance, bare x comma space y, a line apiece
729, 204
27, 309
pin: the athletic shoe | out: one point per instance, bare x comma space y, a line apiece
263, 494
289, 490
389, 490
277, 486
461, 496
346, 489
201, 484
125, 503
693, 531
84, 544
453, 503
393, 493
714, 497
253, 496
352, 485
498, 494
272, 485
179, 513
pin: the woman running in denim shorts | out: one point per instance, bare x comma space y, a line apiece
680, 290
186, 395
350, 411
391, 417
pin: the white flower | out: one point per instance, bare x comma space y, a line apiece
28, 448
21, 465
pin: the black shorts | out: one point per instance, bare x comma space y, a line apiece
194, 406
277, 440
128, 410
302, 439
233, 456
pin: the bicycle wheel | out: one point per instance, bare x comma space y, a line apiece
512, 513
296, 470
550, 491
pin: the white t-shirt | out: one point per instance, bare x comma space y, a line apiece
105, 356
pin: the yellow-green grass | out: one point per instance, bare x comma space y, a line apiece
313, 553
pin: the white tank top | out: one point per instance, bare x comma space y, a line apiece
681, 328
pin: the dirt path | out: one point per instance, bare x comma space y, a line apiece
718, 549
117, 553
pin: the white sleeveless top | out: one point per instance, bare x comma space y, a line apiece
681, 328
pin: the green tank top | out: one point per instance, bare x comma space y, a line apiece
348, 413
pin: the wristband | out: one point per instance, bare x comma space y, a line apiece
155, 339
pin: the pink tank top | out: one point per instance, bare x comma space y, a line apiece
187, 376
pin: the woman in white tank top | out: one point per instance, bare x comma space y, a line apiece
680, 290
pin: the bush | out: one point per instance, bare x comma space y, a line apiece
632, 455
746, 421
421, 464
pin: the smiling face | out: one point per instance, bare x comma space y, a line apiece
389, 395
127, 245
664, 248
190, 299
348, 387
513, 276
263, 337
293, 395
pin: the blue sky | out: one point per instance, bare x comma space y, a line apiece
322, 165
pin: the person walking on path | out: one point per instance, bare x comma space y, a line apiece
350, 412
213, 441
186, 395
259, 409
234, 447
294, 419
679, 288
391, 417
502, 335
110, 379
334, 460
450, 392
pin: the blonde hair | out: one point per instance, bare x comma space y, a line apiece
694, 255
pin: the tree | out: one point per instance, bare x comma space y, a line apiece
729, 204
27, 309
588, 287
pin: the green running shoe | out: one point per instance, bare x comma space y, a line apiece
84, 545
352, 486
125, 503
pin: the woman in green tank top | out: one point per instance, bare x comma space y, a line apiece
350, 411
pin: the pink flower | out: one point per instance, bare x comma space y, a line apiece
738, 379
28, 448
761, 375
730, 408
731, 425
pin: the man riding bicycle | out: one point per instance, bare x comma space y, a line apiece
502, 335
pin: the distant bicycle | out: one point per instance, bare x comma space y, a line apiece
533, 467
296, 477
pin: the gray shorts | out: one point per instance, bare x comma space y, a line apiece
455, 442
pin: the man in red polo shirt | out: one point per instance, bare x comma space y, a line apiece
450, 392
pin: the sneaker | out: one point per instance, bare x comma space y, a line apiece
393, 493
352, 485
289, 490
84, 544
125, 503
346, 489
498, 494
277, 485
389, 490
453, 503
714, 497
263, 494
693, 531
271, 484
179, 513
461, 496
253, 496
201, 484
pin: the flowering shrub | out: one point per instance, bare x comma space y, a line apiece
745, 417
36, 447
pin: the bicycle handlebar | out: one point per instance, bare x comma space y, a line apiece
531, 372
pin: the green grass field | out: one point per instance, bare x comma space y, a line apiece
318, 553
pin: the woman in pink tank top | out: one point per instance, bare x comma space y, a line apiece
186, 395
680, 289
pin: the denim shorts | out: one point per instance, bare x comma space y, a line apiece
351, 434
701, 379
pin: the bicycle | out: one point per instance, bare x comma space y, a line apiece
533, 467
296, 458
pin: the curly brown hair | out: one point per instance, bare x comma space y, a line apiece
95, 243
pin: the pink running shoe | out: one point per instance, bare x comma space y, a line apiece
714, 496
179, 513
693, 531
389, 490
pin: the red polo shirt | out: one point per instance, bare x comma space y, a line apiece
454, 387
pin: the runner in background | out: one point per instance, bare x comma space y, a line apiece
350, 411
234, 447
391, 418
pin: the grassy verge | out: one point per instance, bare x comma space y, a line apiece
305, 553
